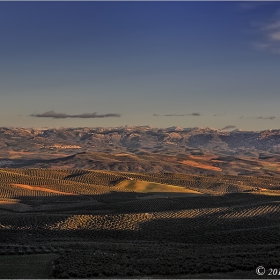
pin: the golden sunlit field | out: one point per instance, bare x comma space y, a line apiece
118, 224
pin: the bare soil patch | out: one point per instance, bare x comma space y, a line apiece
21, 153
205, 157
41, 189
199, 165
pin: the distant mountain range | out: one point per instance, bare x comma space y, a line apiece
143, 149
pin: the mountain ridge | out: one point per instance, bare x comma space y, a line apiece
143, 149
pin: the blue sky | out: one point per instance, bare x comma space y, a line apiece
76, 64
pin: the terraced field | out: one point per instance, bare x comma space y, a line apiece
120, 223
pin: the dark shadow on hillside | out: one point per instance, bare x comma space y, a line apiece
133, 202
201, 229
26, 163
75, 175
210, 220
210, 229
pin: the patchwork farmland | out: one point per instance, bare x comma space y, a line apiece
121, 224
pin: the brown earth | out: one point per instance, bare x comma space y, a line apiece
41, 189
199, 165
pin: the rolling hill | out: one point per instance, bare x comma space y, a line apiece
128, 224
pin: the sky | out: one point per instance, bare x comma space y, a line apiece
93, 64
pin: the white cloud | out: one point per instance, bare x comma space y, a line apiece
250, 5
275, 36
261, 46
274, 25
269, 37
265, 28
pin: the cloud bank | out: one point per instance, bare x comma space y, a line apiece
266, 118
178, 115
228, 127
54, 115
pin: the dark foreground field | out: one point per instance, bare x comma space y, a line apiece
95, 224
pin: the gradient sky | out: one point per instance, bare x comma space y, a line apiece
200, 63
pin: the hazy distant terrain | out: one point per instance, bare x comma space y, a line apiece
143, 149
